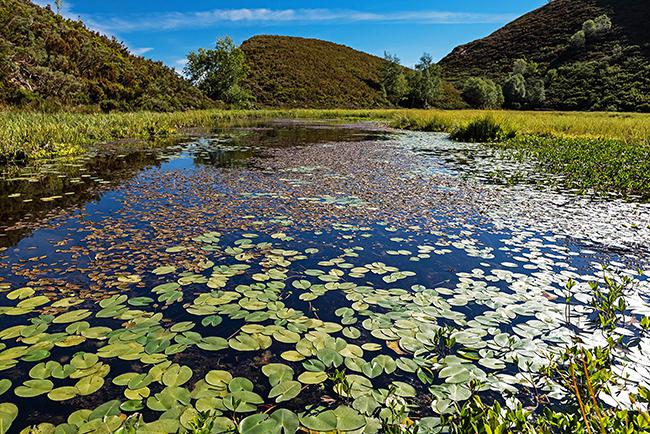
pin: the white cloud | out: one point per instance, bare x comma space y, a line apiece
179, 66
141, 51
183, 20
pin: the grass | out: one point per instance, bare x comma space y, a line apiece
603, 151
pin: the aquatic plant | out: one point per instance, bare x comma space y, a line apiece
259, 301
485, 130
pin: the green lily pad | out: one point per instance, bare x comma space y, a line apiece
176, 375
72, 316
63, 393
32, 388
285, 391
8, 413
257, 424
312, 377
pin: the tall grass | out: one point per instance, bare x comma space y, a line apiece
33, 135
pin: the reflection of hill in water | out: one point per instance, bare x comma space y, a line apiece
46, 187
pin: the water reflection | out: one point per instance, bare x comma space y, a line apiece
48, 187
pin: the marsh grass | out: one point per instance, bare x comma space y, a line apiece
603, 151
588, 163
484, 130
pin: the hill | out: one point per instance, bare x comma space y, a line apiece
297, 72
608, 70
49, 62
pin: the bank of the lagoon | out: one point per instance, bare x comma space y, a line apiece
286, 275
604, 151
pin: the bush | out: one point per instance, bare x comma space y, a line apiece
589, 28
578, 40
483, 130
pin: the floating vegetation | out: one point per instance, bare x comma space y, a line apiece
328, 287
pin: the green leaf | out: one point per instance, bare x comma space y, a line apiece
72, 316
277, 373
287, 420
110, 408
312, 377
257, 424
63, 393
285, 391
176, 375
5, 384
213, 343
32, 388
89, 385
8, 413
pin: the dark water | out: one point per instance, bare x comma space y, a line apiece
89, 228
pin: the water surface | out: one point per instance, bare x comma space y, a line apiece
404, 259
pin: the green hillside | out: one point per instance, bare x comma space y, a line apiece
609, 71
48, 62
297, 72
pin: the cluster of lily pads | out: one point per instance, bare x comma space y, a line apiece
285, 324
388, 339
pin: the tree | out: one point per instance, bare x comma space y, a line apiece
603, 23
520, 66
535, 92
578, 40
425, 82
219, 72
393, 80
589, 28
482, 93
514, 90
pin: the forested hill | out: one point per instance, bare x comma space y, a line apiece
297, 72
591, 67
48, 62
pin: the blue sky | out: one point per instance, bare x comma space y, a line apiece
166, 30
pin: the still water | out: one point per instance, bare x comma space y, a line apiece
319, 273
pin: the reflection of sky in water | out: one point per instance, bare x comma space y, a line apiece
510, 264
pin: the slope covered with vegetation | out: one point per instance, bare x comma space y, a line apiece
49, 62
583, 66
297, 72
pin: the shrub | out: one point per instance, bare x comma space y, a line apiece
483, 130
589, 28
578, 40
603, 23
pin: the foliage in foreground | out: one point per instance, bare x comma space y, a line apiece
600, 164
